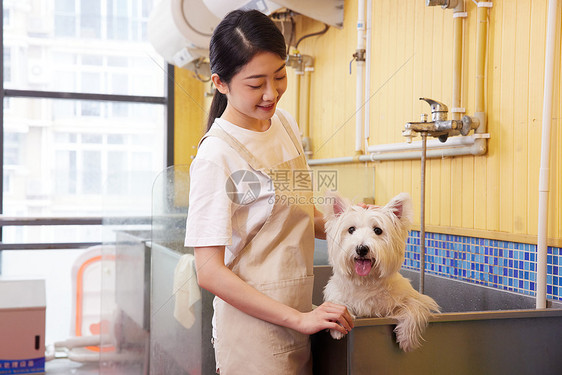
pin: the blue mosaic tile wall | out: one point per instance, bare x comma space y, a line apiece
499, 264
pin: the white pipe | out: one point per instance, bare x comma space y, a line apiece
431, 144
360, 77
367, 130
478, 148
458, 15
542, 246
298, 75
306, 118
342, 160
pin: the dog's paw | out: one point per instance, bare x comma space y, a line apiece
408, 346
409, 338
413, 319
336, 334
409, 332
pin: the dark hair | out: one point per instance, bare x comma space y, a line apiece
235, 41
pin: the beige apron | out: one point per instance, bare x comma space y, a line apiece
278, 262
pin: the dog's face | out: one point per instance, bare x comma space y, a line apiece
367, 242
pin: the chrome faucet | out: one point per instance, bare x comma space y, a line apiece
439, 127
444, 3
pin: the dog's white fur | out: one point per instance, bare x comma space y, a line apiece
383, 292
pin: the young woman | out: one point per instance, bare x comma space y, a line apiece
251, 219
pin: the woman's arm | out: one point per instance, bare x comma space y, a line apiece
218, 279
319, 229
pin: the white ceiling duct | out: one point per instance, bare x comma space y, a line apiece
329, 12
180, 30
221, 8
326, 11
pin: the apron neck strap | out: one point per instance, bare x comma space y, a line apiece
235, 144
289, 131
218, 132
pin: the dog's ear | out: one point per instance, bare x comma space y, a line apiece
401, 206
335, 204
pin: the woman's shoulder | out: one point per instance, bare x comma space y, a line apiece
217, 151
211, 145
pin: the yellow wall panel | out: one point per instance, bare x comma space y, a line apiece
520, 93
467, 198
411, 58
354, 182
433, 191
557, 215
445, 193
457, 192
190, 115
507, 82
493, 107
496, 192
479, 200
536, 89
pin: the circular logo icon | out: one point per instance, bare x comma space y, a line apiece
243, 187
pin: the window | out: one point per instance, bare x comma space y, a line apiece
90, 19
7, 64
63, 151
65, 18
84, 123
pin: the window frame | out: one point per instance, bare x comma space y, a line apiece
167, 100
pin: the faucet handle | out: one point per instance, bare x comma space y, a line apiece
438, 109
435, 105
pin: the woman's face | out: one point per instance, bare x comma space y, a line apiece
253, 93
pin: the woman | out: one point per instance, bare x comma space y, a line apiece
254, 246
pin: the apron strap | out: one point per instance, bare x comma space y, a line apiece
290, 131
242, 150
237, 146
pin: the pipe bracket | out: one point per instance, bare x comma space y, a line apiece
481, 135
485, 4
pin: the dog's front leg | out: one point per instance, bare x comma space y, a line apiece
412, 321
408, 332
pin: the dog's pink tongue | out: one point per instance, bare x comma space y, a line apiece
362, 266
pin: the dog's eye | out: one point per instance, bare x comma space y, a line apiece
351, 230
378, 231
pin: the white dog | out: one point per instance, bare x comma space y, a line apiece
366, 249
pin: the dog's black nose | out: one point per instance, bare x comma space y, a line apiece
361, 250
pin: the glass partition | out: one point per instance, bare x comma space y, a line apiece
125, 294
154, 317
180, 312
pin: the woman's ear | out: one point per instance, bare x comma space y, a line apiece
219, 84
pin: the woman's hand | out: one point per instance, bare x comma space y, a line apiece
326, 316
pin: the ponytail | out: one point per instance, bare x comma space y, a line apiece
218, 105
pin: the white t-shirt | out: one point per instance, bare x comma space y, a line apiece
228, 200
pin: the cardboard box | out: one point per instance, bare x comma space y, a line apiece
22, 326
